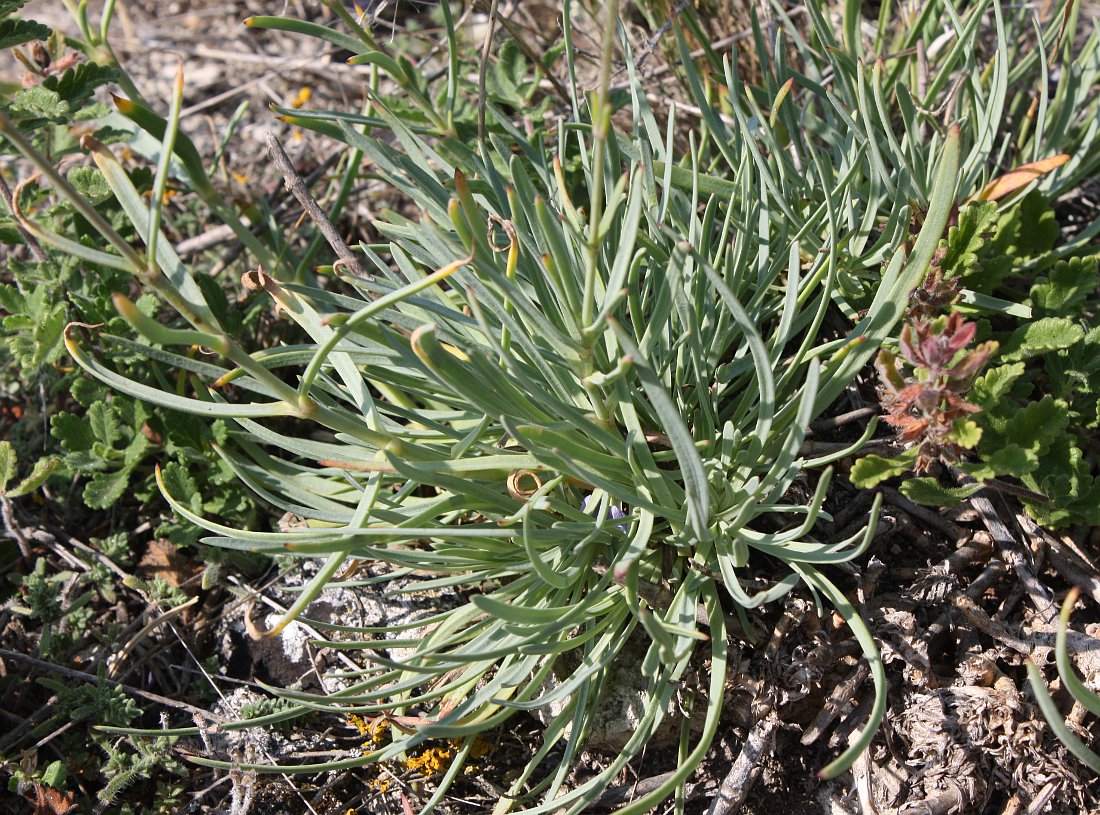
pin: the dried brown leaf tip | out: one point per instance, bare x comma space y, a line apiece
923, 391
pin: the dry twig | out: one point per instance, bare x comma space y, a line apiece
297, 187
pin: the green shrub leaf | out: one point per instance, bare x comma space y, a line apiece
1038, 424
74, 433
994, 385
17, 32
966, 433
7, 464
40, 102
967, 238
104, 424
929, 491
869, 471
77, 84
1070, 282
1013, 460
1041, 337
11, 6
89, 182
106, 488
42, 471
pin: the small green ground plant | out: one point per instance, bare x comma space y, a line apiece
576, 384
105, 439
1007, 398
75, 453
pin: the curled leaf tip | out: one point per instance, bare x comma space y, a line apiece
70, 326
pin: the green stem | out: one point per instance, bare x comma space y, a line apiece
601, 128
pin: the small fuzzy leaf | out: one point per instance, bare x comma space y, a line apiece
87, 391
1041, 337
77, 84
1027, 230
104, 424
869, 471
967, 238
90, 183
927, 490
994, 385
42, 470
54, 776
1013, 460
105, 489
1067, 286
74, 433
11, 6
1038, 424
38, 101
135, 450
1020, 177
11, 299
966, 433
7, 464
17, 32
182, 486
41, 345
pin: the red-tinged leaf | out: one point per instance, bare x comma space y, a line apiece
973, 362
958, 334
1018, 178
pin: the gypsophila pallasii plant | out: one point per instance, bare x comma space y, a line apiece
575, 384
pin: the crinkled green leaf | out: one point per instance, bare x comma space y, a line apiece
11, 6
74, 433
1041, 337
1067, 286
43, 468
506, 80
78, 83
967, 238
11, 299
54, 775
89, 182
182, 485
87, 391
1027, 230
7, 464
106, 488
1038, 424
994, 385
869, 471
104, 424
929, 491
85, 462
966, 433
38, 101
135, 450
17, 32
1064, 476
1011, 460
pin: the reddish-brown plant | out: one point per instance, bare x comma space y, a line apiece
923, 391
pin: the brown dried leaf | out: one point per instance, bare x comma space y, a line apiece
163, 560
51, 802
1020, 177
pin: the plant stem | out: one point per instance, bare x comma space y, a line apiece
601, 124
